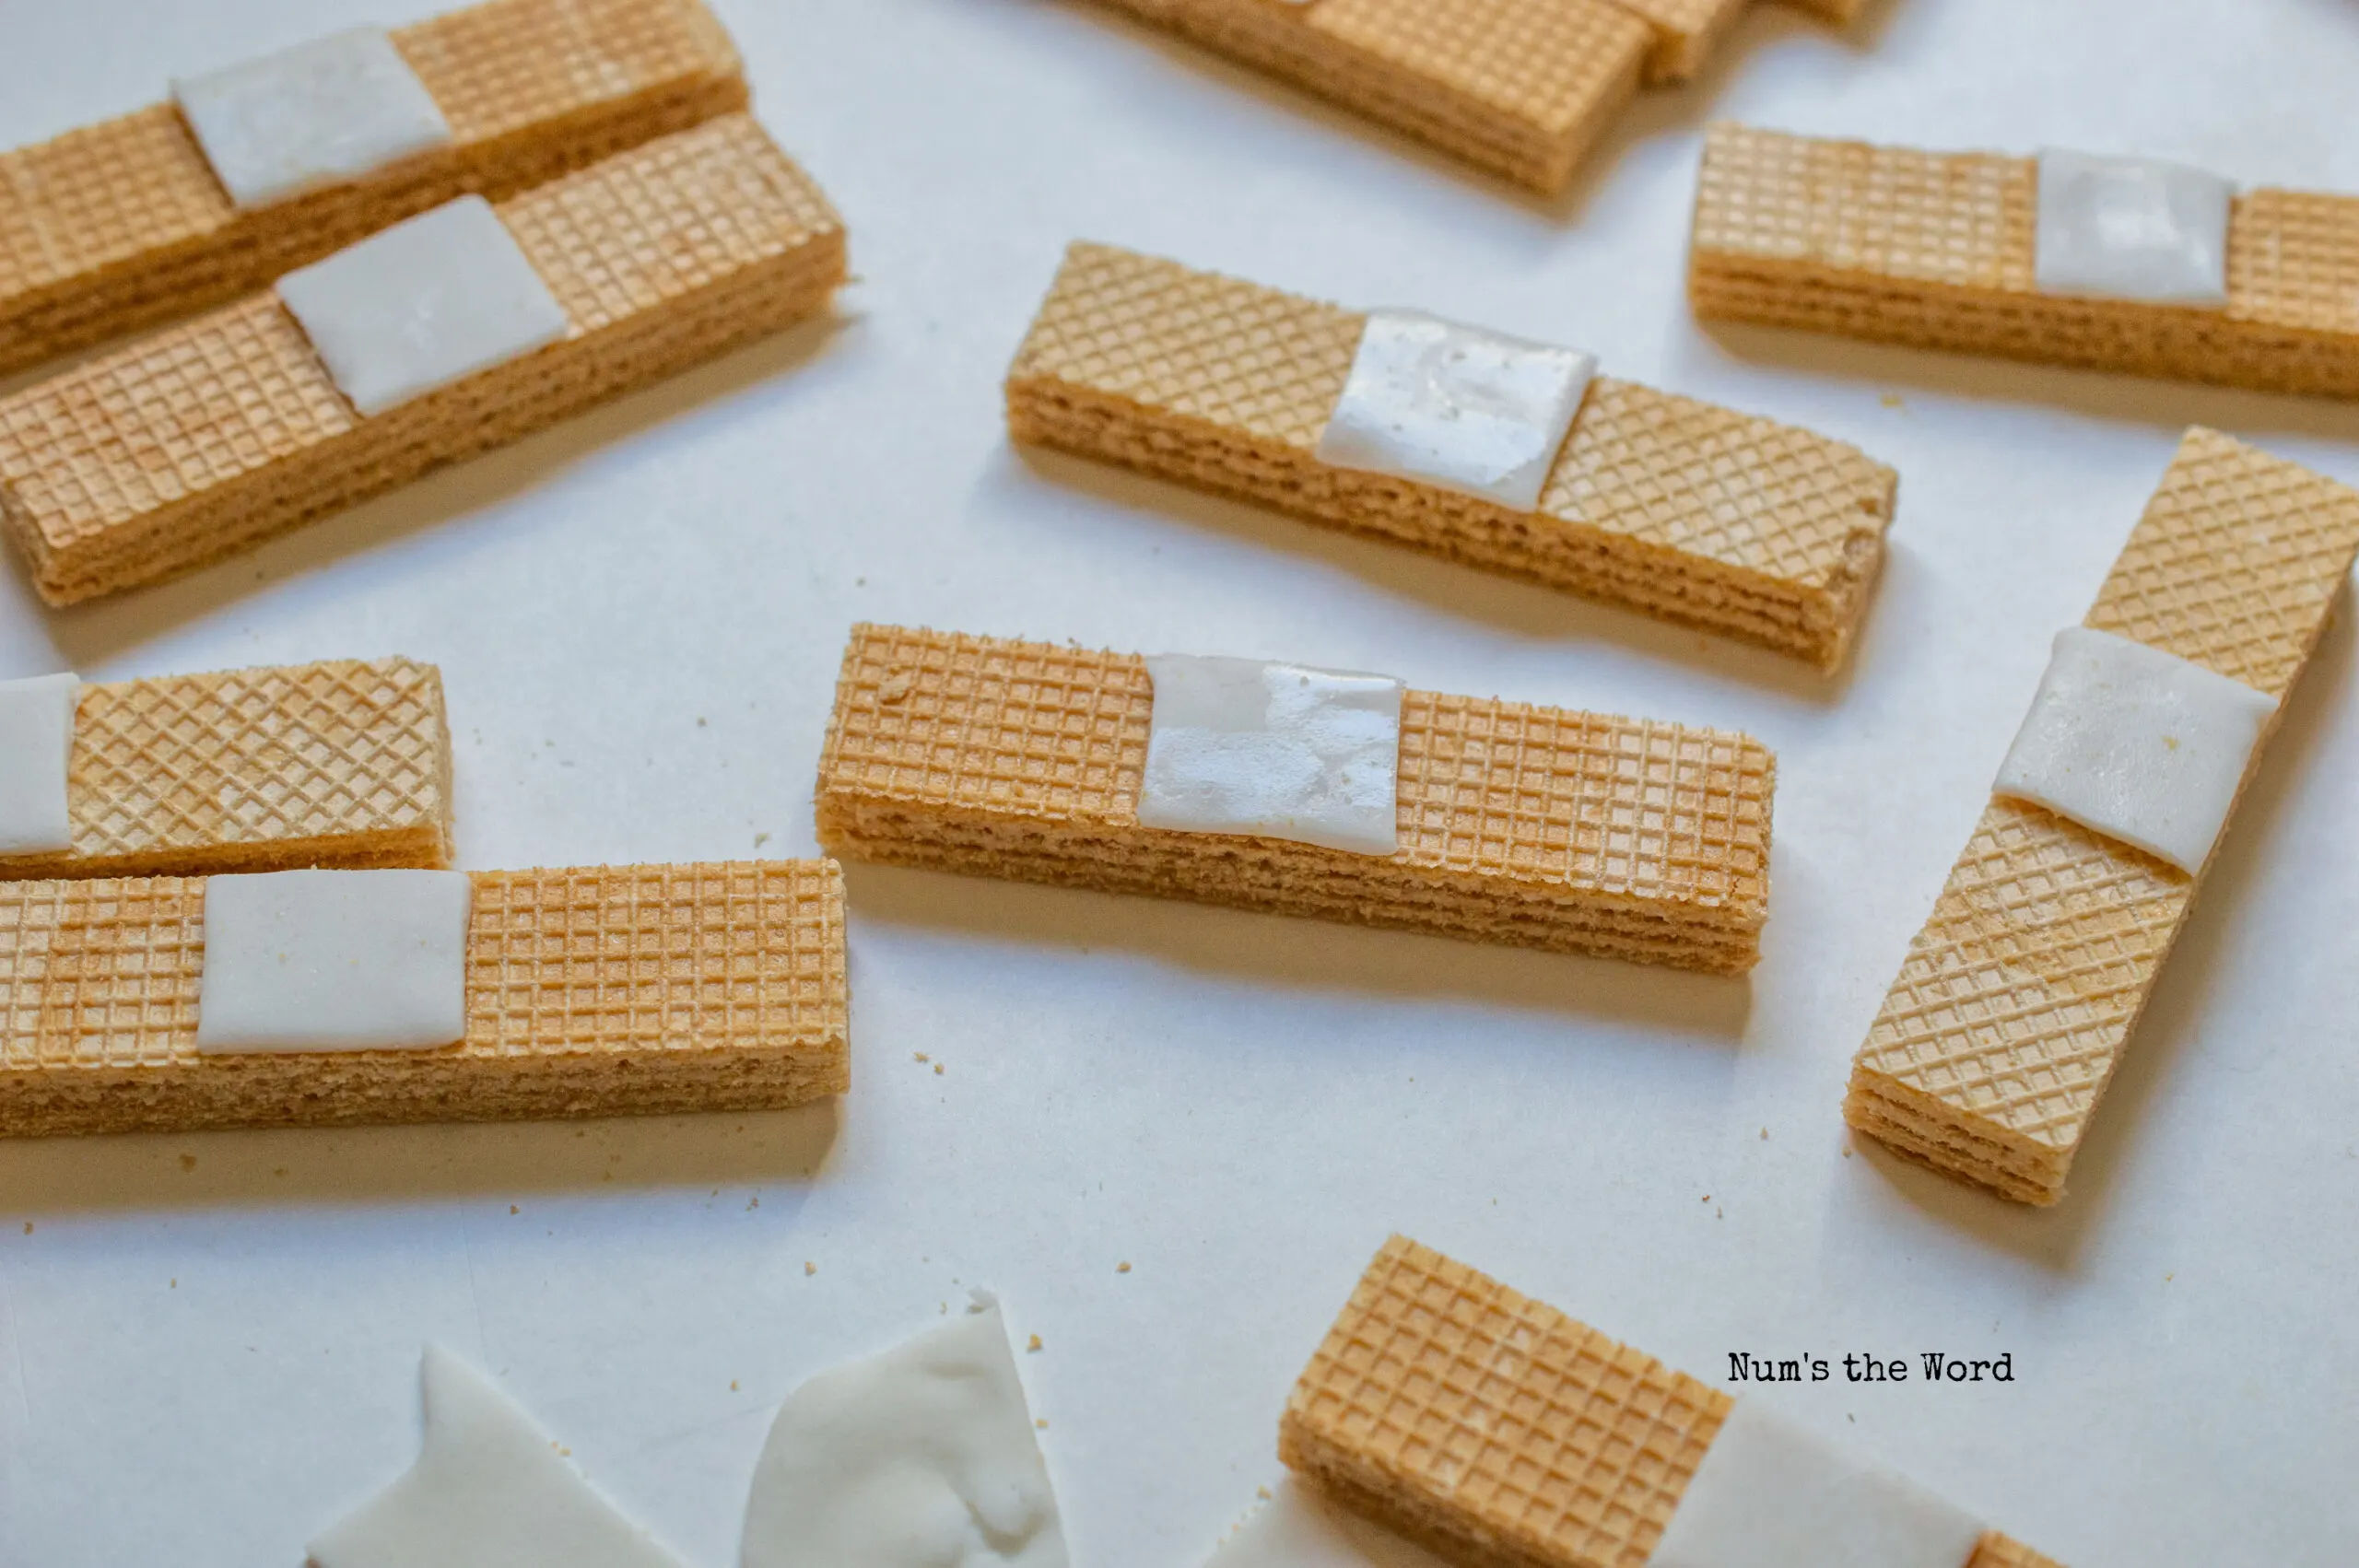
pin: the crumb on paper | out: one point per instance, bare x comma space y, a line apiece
513, 1209
809, 1269
1707, 1198
1040, 1422
1719, 1212
920, 1056
699, 720
732, 1386
172, 1284
1894, 400
1262, 1493
1121, 1268
760, 839
29, 1227
1765, 1135
937, 1070
1033, 1343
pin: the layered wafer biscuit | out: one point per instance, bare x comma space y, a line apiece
1504, 1433
619, 990
342, 763
2019, 995
1675, 507
1520, 88
118, 226
1516, 824
1942, 250
216, 434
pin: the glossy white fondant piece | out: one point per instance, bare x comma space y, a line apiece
489, 1490
1276, 750
335, 960
1772, 1495
1472, 411
921, 1458
36, 750
2132, 228
430, 301
1298, 1528
2138, 744
317, 114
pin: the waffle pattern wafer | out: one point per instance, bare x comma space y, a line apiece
121, 225
619, 990
1500, 1432
210, 437
336, 764
1520, 88
1693, 513
1937, 249
2018, 997
1521, 825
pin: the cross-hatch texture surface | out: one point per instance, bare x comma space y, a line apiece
1939, 248
1256, 363
106, 194
228, 396
613, 961
2018, 996
1022, 730
1521, 88
329, 755
1473, 1416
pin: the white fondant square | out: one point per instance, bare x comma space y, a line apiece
2132, 228
430, 301
335, 960
36, 750
1772, 1495
2137, 744
317, 114
1472, 411
1277, 751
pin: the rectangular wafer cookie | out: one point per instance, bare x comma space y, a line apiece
1500, 1432
606, 990
1937, 251
118, 226
1520, 88
342, 763
1693, 513
1522, 824
220, 432
2019, 995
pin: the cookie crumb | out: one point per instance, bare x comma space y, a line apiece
1121, 1268
513, 1209
732, 1386
809, 1269
937, 1070
920, 1056
1040, 1422
1033, 1343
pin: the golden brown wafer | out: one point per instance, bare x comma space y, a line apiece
212, 436
1937, 251
1522, 824
2019, 995
1521, 88
121, 225
342, 763
1500, 1432
1673, 506
608, 991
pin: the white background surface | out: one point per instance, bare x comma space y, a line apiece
208, 1344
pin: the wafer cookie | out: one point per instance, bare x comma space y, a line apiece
1939, 250
1671, 507
623, 990
1520, 88
214, 435
121, 225
341, 763
1501, 1432
2018, 997
1521, 825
